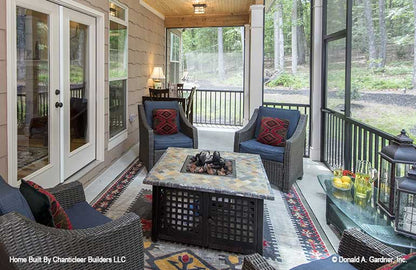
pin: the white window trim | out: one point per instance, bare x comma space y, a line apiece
171, 47
11, 83
117, 139
122, 135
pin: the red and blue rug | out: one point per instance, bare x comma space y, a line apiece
290, 234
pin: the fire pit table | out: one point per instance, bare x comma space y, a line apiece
215, 211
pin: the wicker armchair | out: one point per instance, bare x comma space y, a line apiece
354, 243
282, 174
122, 238
149, 151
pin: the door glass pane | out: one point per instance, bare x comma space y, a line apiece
117, 107
32, 39
78, 84
336, 75
336, 16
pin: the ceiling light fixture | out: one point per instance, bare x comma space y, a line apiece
199, 8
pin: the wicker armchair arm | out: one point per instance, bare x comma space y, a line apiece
246, 133
293, 157
256, 262
300, 129
356, 243
68, 194
122, 237
187, 128
146, 144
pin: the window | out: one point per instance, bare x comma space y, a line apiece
175, 46
118, 73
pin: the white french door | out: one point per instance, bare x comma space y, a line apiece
54, 134
78, 77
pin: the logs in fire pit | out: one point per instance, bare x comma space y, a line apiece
205, 163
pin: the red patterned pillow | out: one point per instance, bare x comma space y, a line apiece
164, 121
60, 218
273, 131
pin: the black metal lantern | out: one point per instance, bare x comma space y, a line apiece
395, 161
405, 211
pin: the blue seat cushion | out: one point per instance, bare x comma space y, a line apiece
149, 106
11, 200
291, 115
83, 216
266, 151
175, 140
330, 263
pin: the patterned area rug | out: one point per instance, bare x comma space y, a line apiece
28, 155
291, 237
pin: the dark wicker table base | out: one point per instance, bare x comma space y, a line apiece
218, 221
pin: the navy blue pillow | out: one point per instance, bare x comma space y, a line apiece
330, 263
11, 200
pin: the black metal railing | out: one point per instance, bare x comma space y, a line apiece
217, 107
304, 109
42, 101
347, 140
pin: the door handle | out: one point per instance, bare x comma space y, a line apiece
59, 105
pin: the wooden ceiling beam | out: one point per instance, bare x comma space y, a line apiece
191, 21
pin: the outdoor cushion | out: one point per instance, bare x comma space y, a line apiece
11, 200
266, 151
326, 264
273, 131
149, 106
59, 217
83, 216
164, 121
175, 140
291, 115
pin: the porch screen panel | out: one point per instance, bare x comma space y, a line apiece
287, 68
335, 90
32, 31
336, 16
382, 66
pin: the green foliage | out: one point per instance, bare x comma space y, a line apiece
299, 81
205, 40
76, 74
396, 75
286, 80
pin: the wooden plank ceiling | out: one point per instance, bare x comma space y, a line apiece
180, 13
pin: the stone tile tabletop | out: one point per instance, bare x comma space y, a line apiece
250, 180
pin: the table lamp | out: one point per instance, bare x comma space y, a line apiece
157, 76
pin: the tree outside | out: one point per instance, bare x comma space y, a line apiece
383, 70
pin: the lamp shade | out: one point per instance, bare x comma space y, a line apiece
157, 73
